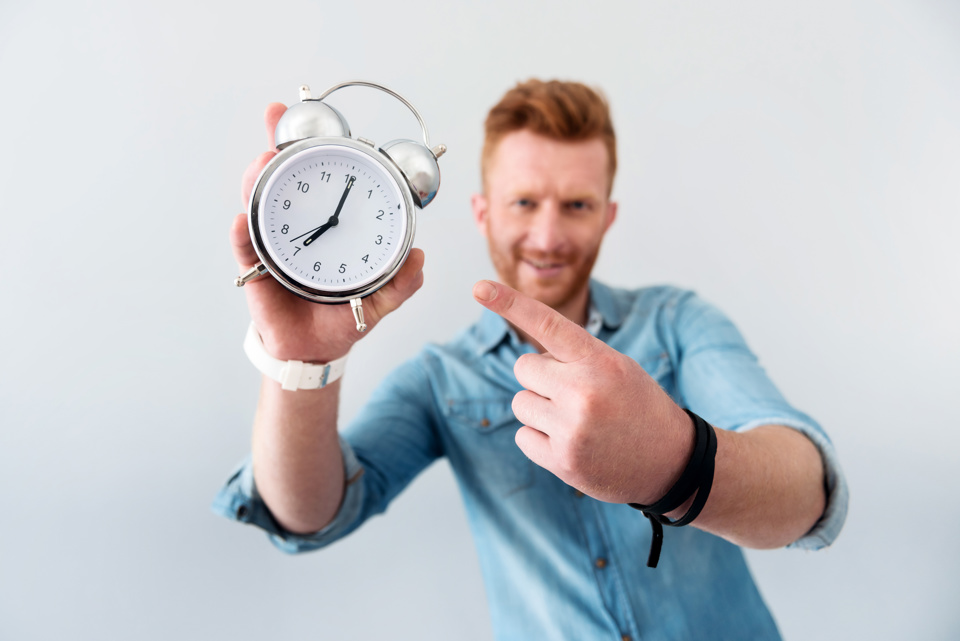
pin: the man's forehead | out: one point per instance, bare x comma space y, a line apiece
525, 161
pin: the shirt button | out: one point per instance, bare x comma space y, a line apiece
579, 494
485, 423
601, 563
625, 637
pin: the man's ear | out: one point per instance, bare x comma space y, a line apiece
611, 215
480, 206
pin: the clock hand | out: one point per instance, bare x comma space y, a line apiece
305, 233
335, 219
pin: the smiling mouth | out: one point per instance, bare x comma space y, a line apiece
543, 265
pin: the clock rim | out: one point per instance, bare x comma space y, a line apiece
318, 294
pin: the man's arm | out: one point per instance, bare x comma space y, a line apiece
297, 461
296, 455
597, 420
767, 489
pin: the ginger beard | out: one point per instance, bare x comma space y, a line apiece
556, 279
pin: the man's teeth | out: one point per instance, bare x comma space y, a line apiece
539, 265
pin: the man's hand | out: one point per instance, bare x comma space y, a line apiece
591, 415
294, 328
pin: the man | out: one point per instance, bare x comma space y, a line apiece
566, 400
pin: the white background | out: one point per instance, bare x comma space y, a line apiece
795, 163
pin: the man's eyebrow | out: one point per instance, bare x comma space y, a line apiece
520, 194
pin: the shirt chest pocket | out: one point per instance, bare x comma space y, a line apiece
485, 452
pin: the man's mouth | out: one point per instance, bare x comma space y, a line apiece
541, 264
545, 267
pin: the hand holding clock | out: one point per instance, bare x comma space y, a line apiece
293, 328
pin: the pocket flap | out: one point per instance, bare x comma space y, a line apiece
484, 415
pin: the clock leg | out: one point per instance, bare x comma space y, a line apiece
356, 305
254, 272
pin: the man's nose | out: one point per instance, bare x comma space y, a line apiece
546, 228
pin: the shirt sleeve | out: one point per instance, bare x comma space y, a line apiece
391, 441
720, 379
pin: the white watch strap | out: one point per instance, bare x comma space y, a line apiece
292, 375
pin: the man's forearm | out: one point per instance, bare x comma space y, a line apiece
767, 490
297, 462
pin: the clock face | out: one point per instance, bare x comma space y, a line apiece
332, 218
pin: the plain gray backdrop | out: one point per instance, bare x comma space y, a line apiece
795, 163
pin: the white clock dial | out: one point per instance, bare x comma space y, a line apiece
332, 218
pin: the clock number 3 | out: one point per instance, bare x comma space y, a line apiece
379, 239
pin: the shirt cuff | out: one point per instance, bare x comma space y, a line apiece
827, 528
239, 500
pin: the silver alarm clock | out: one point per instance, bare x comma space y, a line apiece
332, 217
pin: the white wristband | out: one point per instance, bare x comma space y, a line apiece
292, 375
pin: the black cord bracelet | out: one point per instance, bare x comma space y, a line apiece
697, 477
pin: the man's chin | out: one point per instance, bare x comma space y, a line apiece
551, 293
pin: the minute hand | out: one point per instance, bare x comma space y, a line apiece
335, 219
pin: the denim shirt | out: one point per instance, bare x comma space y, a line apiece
558, 564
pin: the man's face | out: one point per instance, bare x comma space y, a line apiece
544, 212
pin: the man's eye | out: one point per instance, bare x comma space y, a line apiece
524, 202
578, 205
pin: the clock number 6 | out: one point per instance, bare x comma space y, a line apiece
316, 266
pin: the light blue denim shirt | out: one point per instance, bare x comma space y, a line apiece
558, 564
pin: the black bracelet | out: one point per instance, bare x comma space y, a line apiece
697, 477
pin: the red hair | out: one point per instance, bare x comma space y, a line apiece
564, 111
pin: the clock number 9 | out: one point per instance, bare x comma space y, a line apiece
286, 204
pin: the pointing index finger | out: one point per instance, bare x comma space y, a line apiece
563, 338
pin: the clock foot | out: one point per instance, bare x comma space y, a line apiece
254, 272
356, 305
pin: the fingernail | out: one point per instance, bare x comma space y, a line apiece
485, 291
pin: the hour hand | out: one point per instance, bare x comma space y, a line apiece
322, 228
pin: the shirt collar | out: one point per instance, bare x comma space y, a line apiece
492, 330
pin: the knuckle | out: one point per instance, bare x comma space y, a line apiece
522, 367
518, 405
549, 324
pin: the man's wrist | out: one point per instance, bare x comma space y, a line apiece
681, 434
287, 343
291, 374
